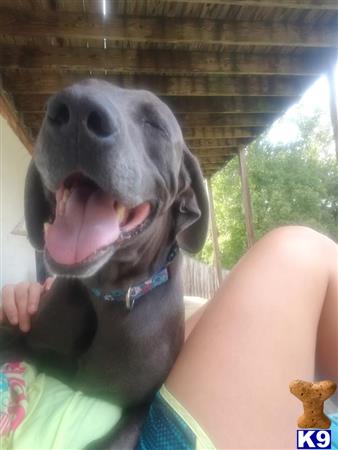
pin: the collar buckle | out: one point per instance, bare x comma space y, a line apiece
130, 298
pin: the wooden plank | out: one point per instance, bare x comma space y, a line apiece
198, 133
190, 134
212, 153
224, 120
324, 5
225, 144
170, 62
214, 234
211, 158
169, 30
191, 120
35, 103
333, 106
246, 198
212, 168
8, 111
203, 104
268, 86
219, 143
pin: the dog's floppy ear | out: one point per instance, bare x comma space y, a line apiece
192, 206
37, 209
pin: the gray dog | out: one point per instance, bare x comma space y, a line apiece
110, 191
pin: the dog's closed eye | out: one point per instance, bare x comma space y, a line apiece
155, 125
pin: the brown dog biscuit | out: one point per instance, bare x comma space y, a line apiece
313, 395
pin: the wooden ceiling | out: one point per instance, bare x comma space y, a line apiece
227, 68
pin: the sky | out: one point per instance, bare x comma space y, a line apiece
284, 130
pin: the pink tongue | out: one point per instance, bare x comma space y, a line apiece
88, 224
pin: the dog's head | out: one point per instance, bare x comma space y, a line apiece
109, 165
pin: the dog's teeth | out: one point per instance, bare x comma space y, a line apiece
46, 225
66, 195
63, 201
121, 212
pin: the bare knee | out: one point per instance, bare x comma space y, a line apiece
300, 244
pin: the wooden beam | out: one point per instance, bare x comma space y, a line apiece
333, 106
35, 103
210, 169
198, 133
197, 144
174, 30
210, 158
191, 120
214, 154
203, 104
246, 198
227, 144
324, 5
217, 120
222, 148
169, 62
48, 82
214, 234
8, 111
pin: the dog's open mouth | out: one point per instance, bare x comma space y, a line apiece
88, 221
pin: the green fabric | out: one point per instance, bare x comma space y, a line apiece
60, 418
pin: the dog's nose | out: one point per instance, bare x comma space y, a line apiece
89, 114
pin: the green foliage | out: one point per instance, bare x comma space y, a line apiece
294, 183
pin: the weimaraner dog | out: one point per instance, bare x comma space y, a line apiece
110, 192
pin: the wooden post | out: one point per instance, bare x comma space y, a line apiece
214, 233
333, 106
246, 197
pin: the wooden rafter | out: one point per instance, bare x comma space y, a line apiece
191, 120
230, 105
169, 30
178, 62
35, 102
217, 120
325, 5
219, 143
225, 144
214, 152
239, 85
220, 133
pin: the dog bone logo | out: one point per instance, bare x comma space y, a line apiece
313, 396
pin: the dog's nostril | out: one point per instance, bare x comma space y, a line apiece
60, 116
99, 125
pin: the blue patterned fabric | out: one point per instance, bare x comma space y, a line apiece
334, 431
165, 430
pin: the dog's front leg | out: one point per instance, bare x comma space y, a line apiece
61, 329
125, 435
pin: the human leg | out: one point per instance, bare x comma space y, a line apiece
258, 334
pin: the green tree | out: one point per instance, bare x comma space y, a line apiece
295, 183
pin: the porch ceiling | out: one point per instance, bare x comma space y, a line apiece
228, 69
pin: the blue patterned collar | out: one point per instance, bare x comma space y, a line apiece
132, 294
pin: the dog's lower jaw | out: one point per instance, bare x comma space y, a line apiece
81, 270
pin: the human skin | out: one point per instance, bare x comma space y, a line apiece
274, 319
